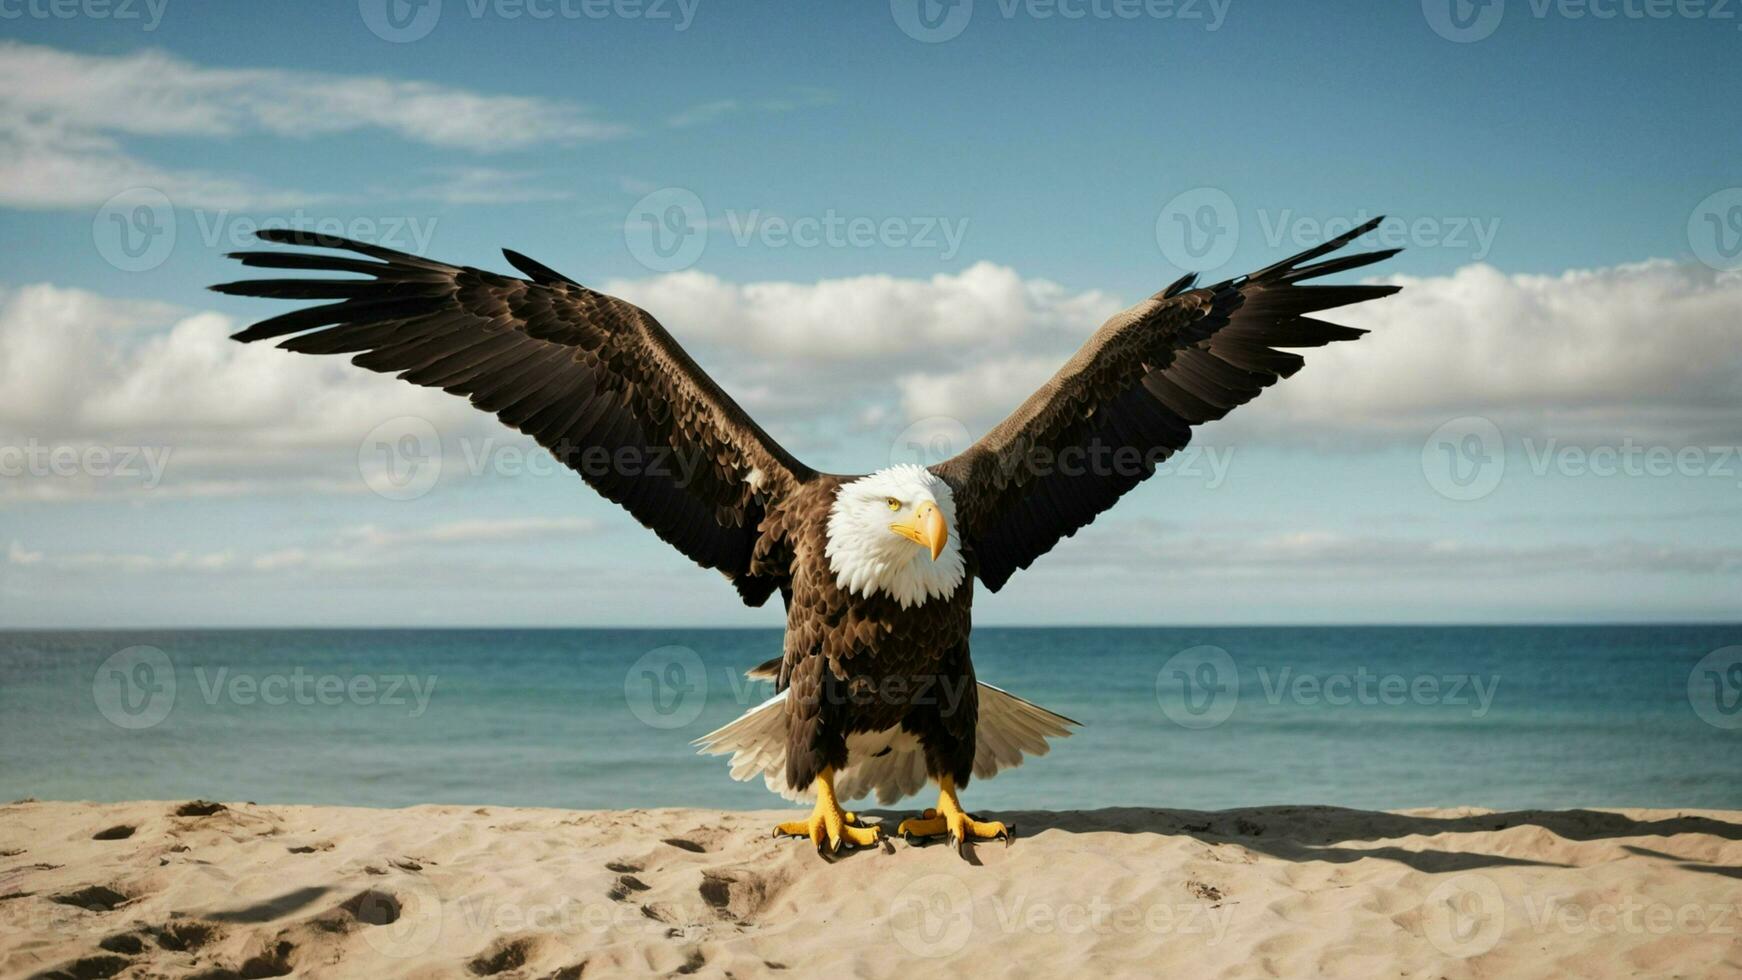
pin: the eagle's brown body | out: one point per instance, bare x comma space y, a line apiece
590, 376
857, 664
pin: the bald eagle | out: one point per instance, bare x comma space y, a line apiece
875, 690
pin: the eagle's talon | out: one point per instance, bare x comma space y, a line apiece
828, 826
950, 820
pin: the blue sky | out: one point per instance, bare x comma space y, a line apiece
1551, 180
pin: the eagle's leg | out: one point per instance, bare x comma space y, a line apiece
949, 818
829, 826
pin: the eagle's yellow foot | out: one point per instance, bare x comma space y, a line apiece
828, 826
950, 819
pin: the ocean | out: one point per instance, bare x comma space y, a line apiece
1367, 717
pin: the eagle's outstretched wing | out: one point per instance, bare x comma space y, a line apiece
594, 379
1128, 399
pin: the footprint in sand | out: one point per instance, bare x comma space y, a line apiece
502, 956
94, 898
198, 808
624, 886
276, 960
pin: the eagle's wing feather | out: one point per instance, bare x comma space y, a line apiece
594, 379
1129, 398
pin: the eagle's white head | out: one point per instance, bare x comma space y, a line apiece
891, 532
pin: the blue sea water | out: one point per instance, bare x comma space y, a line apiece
1370, 717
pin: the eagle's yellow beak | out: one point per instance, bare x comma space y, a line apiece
926, 527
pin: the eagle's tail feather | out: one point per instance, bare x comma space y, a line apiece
888, 764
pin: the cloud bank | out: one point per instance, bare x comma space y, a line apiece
1640, 351
64, 117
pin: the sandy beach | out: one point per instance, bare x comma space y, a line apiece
172, 889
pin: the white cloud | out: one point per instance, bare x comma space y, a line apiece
469, 531
222, 417
717, 109
1646, 351
1172, 551
869, 327
368, 546
1641, 351
62, 114
480, 185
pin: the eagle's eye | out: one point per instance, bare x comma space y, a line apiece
893, 503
